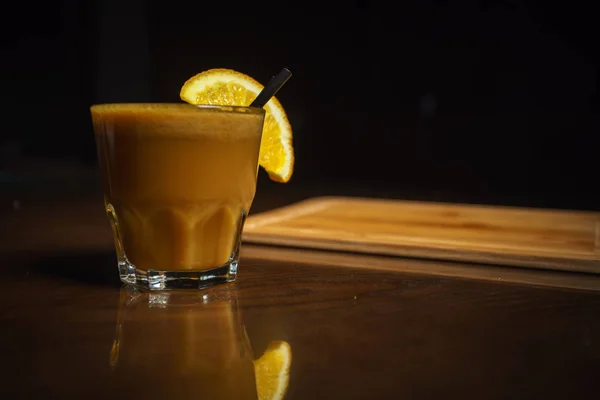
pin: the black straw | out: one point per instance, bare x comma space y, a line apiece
271, 88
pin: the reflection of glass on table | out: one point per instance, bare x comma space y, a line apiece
183, 345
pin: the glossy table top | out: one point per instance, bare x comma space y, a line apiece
359, 327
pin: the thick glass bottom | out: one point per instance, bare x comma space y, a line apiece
169, 280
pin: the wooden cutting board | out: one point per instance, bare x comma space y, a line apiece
550, 239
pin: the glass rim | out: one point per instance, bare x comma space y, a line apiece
158, 105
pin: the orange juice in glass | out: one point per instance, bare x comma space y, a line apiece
179, 180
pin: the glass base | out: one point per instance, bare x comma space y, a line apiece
169, 280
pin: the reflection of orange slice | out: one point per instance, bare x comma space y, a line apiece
222, 86
272, 371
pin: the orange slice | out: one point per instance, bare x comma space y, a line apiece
222, 86
272, 371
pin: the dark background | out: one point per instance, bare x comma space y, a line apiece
482, 102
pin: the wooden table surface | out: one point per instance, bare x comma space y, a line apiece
359, 327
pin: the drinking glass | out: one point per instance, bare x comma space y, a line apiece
178, 182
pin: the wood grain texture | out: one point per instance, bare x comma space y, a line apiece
359, 326
551, 239
71, 332
448, 269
